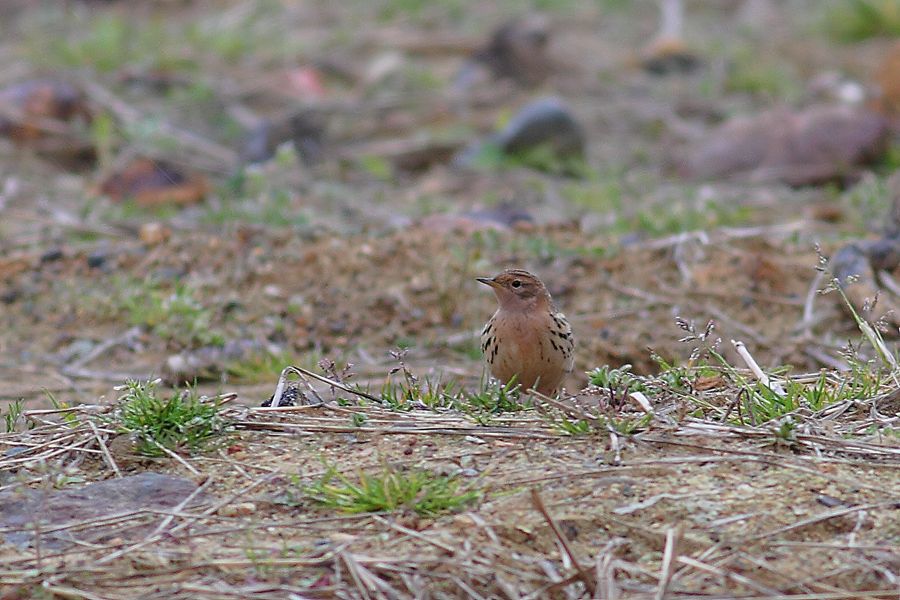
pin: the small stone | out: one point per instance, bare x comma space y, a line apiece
95, 260
305, 130
289, 397
10, 296
241, 509
669, 55
273, 291
152, 234
52, 255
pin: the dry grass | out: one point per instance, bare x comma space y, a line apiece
683, 506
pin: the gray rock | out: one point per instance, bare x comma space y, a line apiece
547, 121
26, 510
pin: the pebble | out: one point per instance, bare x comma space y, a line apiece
95, 260
240, 509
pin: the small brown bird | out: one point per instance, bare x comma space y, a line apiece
527, 337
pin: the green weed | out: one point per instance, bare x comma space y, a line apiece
763, 404
620, 378
569, 426
69, 418
596, 423
12, 414
758, 75
603, 195
607, 194
261, 367
856, 20
274, 210
759, 403
259, 198
681, 217
490, 399
541, 158
376, 166
867, 203
107, 43
180, 423
424, 492
409, 394
493, 398
174, 315
130, 211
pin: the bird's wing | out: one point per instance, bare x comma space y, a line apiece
569, 340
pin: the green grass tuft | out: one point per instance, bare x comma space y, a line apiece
493, 398
261, 367
424, 492
540, 158
758, 75
179, 423
616, 379
12, 414
856, 20
174, 315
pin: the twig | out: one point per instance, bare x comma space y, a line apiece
737, 577
809, 303
724, 234
171, 454
74, 368
819, 518
106, 455
582, 573
224, 158
606, 572
614, 445
673, 536
239, 494
754, 368
641, 400
279, 389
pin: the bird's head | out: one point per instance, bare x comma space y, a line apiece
518, 290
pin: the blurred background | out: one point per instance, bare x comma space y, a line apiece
210, 190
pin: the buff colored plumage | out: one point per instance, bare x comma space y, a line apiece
527, 337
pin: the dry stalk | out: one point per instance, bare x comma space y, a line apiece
581, 572
751, 363
106, 455
673, 536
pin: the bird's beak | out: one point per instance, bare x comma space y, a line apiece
486, 281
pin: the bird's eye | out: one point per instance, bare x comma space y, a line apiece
517, 284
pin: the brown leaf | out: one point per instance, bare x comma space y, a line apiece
153, 182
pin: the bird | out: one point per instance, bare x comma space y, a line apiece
527, 338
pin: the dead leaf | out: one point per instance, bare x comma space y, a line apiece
152, 182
